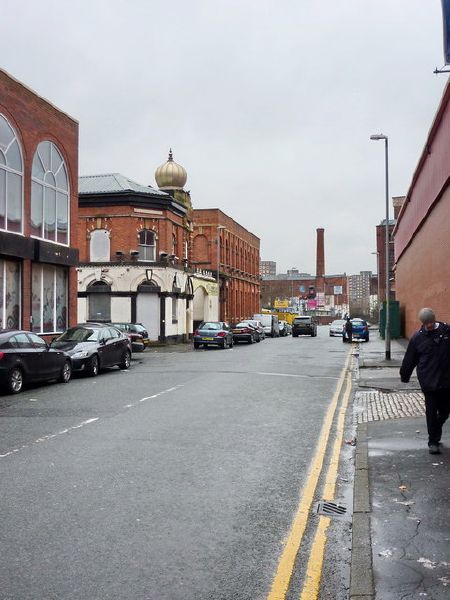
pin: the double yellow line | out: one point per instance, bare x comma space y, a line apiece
283, 575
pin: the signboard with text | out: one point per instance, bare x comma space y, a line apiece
337, 289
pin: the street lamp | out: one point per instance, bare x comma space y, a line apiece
219, 227
387, 331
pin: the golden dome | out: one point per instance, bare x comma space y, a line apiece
170, 175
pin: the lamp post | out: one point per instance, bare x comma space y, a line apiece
387, 331
219, 227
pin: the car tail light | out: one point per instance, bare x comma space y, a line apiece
2, 354
196, 332
221, 334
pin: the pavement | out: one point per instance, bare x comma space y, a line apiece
401, 527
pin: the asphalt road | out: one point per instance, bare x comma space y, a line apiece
177, 479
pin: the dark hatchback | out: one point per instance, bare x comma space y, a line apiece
137, 334
93, 346
25, 357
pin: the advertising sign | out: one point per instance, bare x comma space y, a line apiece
320, 298
446, 19
302, 289
281, 304
312, 304
337, 289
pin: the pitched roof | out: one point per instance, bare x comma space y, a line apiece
114, 183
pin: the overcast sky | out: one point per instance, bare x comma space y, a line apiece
268, 104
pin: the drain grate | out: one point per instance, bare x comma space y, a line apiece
331, 509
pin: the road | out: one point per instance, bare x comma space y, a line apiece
182, 478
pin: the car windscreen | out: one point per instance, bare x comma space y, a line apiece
80, 334
303, 320
214, 326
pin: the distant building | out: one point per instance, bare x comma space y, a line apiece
267, 268
397, 202
225, 247
359, 293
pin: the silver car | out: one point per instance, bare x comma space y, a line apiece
337, 327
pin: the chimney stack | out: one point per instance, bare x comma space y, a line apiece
320, 255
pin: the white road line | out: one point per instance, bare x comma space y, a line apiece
50, 436
172, 389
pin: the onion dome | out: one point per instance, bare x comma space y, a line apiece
170, 175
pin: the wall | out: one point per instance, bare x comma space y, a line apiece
423, 270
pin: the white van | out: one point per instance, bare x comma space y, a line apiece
270, 324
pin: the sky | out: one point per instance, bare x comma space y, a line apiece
268, 104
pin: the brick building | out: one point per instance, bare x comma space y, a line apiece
134, 254
321, 294
421, 235
38, 211
397, 202
225, 247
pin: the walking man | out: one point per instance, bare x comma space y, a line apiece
429, 351
347, 334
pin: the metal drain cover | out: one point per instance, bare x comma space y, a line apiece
331, 509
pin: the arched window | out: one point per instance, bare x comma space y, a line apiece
147, 245
11, 178
99, 302
100, 246
49, 195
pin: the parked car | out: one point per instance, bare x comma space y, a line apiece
93, 346
213, 333
245, 332
258, 325
283, 328
25, 357
304, 326
270, 324
337, 327
360, 329
137, 334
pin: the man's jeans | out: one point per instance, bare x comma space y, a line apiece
437, 410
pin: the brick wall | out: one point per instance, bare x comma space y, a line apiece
423, 270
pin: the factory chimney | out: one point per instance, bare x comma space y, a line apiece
320, 254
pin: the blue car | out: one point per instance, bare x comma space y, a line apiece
213, 333
360, 330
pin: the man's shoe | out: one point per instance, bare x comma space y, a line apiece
434, 449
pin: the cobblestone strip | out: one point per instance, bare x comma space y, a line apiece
379, 406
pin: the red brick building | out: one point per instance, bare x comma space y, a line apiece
222, 245
421, 235
135, 243
38, 211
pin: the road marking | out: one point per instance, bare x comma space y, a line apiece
50, 436
281, 581
313, 575
292, 375
171, 389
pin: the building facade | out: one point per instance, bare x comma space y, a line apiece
421, 235
359, 294
232, 253
38, 211
267, 268
135, 243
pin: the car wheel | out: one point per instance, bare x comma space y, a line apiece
15, 380
224, 344
93, 366
196, 345
231, 344
66, 372
126, 360
295, 335
251, 340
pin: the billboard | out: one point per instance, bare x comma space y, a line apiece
320, 297
337, 290
281, 304
312, 304
446, 20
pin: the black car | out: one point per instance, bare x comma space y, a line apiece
244, 332
25, 357
93, 346
304, 326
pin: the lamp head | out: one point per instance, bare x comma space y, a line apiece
378, 136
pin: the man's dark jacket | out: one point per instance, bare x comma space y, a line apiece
429, 351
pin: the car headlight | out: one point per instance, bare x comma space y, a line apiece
80, 354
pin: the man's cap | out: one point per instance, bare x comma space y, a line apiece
426, 315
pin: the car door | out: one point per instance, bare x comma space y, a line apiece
106, 348
26, 355
48, 361
118, 343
